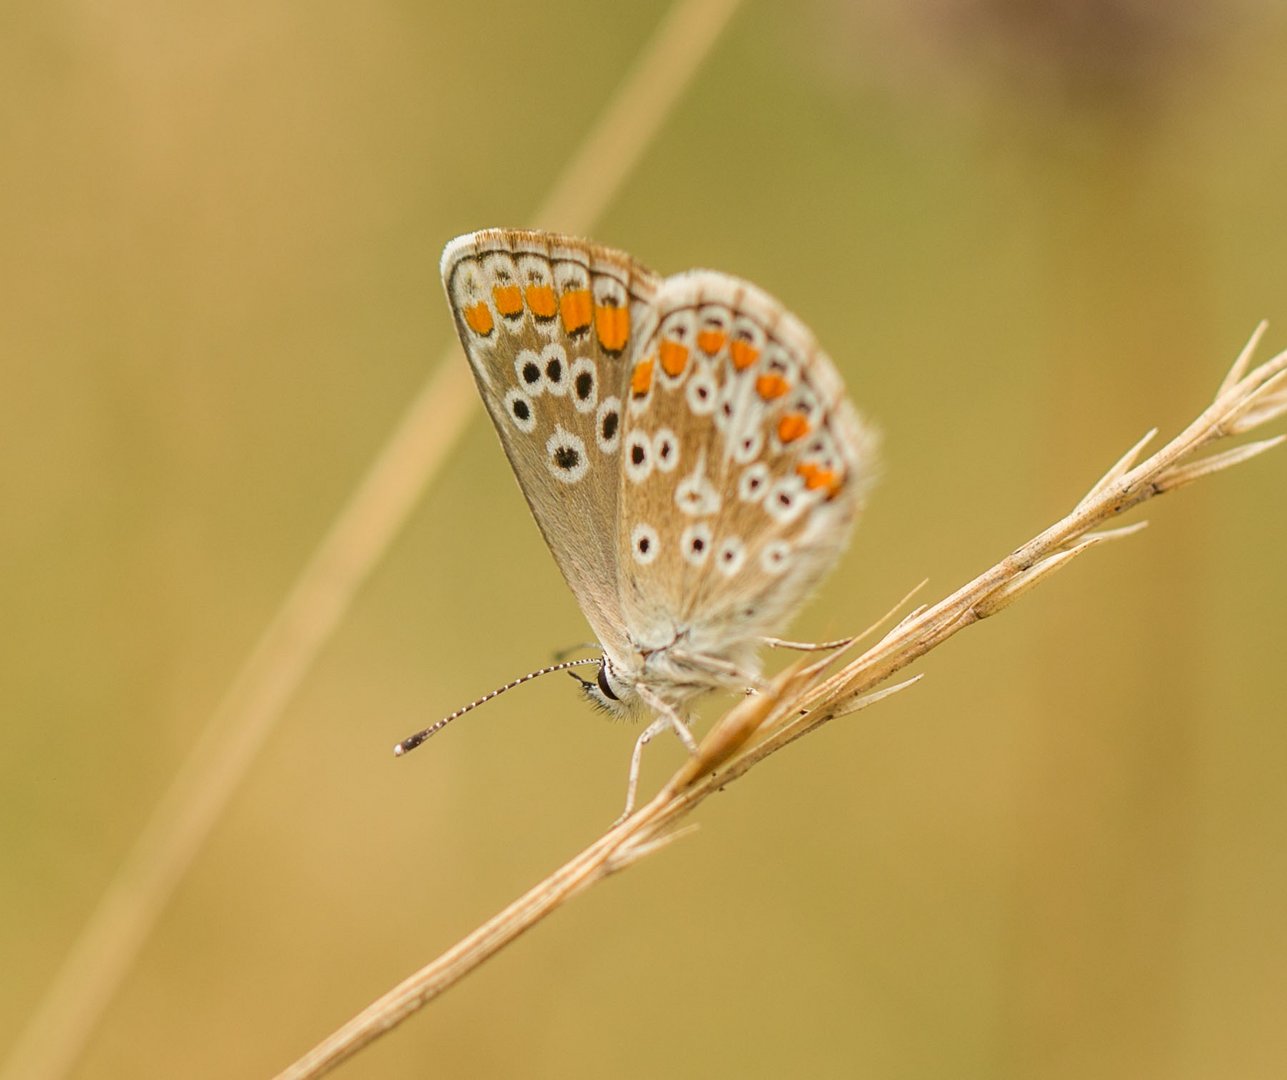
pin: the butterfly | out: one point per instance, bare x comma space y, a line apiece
688, 452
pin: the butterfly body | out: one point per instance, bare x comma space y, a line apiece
687, 450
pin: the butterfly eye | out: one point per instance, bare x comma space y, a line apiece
605, 687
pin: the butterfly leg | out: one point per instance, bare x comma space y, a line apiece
717, 666
666, 717
749, 682
632, 784
806, 646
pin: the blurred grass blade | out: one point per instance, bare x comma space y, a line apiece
321, 596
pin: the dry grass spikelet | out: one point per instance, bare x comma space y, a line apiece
809, 694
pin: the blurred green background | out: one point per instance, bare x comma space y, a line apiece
1026, 233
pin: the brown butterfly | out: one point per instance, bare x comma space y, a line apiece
687, 450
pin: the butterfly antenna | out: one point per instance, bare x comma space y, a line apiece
412, 741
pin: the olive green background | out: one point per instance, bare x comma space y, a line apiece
1026, 234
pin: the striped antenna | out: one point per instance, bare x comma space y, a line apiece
412, 741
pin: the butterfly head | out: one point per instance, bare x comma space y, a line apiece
611, 690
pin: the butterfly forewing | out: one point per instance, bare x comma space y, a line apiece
688, 452
549, 325
743, 467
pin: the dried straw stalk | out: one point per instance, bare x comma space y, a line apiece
804, 697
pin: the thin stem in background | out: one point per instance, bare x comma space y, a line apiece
804, 697
317, 603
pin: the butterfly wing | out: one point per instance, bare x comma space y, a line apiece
548, 324
743, 468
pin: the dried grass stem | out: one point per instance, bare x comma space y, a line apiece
804, 697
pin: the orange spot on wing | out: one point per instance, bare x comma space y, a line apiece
674, 357
509, 300
711, 341
771, 386
576, 309
816, 478
641, 377
479, 318
540, 300
793, 426
744, 354
612, 324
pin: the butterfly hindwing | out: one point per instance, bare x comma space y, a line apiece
549, 325
743, 467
